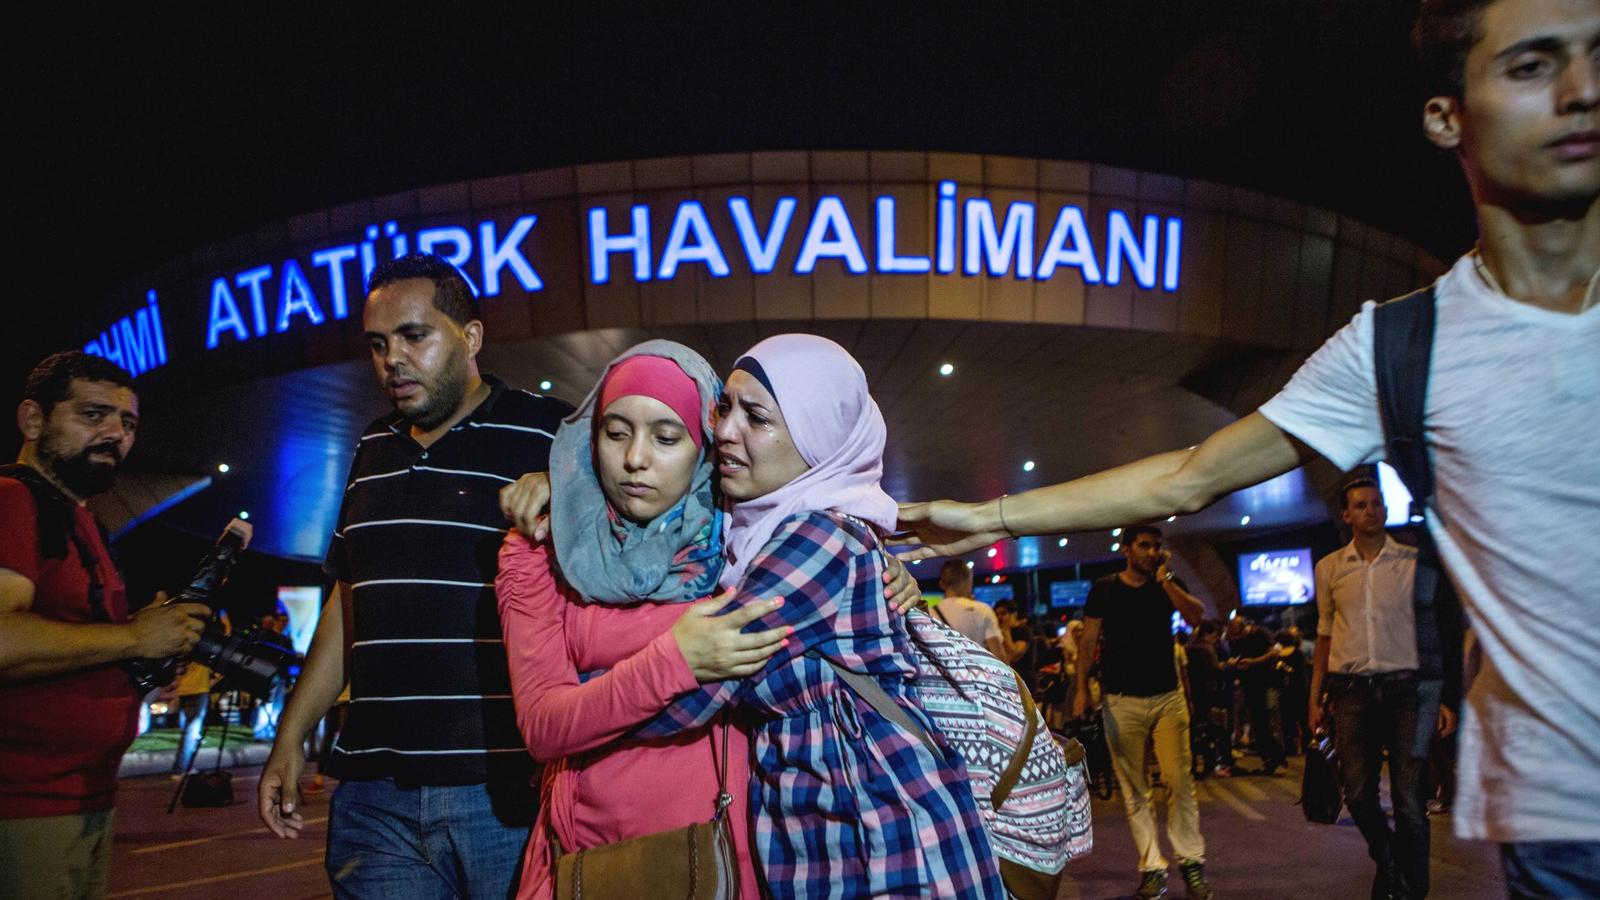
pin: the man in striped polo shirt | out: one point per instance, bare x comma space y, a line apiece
434, 796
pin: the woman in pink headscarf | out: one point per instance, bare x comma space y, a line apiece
609, 642
846, 802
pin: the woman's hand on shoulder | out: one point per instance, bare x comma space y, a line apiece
524, 503
714, 646
899, 588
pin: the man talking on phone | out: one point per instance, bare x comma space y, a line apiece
1143, 699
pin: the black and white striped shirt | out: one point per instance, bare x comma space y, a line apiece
418, 538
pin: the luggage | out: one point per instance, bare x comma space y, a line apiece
208, 789
1321, 791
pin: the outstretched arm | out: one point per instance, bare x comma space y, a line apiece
1247, 452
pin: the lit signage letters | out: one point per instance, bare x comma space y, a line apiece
973, 237
135, 342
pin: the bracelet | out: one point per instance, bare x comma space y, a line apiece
1003, 525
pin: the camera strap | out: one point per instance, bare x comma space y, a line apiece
57, 525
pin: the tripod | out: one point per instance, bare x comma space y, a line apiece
216, 771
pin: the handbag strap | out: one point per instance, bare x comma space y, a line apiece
724, 799
868, 689
1013, 773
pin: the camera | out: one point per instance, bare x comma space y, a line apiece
254, 665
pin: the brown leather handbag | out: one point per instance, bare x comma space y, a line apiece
696, 863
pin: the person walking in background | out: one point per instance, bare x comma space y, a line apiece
1255, 658
1212, 687
1294, 674
1366, 663
960, 611
1143, 699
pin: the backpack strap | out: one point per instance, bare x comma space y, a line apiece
868, 689
1402, 350
1013, 773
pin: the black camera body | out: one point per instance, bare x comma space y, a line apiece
253, 665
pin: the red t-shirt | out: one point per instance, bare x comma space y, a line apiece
61, 736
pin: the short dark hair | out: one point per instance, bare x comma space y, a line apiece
1132, 532
50, 382
1009, 606
1442, 36
452, 293
954, 572
1355, 484
1208, 627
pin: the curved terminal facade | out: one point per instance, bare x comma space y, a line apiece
1088, 314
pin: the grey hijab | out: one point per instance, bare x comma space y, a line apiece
605, 557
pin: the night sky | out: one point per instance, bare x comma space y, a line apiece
140, 132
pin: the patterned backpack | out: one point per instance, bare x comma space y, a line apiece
1032, 792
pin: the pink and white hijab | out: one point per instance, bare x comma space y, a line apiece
838, 430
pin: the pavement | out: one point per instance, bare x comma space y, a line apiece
1258, 845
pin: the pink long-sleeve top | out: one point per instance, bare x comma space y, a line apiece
596, 788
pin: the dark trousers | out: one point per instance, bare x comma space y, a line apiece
1371, 715
1261, 701
1213, 737
1292, 702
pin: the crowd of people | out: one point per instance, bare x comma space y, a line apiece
717, 561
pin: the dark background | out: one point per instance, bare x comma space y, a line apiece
137, 133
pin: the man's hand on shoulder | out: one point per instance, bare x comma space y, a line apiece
525, 503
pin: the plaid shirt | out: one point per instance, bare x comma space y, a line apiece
846, 803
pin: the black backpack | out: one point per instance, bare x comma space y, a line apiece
1402, 349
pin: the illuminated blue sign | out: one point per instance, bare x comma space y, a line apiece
135, 342
975, 237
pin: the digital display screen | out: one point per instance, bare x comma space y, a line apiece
1070, 593
992, 593
1276, 577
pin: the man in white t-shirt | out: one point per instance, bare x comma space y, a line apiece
1512, 419
966, 615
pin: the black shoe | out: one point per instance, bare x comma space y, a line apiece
1194, 878
1152, 885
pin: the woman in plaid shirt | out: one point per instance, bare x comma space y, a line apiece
846, 803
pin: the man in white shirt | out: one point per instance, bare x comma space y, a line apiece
1366, 660
1512, 419
966, 615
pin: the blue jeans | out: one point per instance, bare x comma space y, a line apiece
1552, 869
1371, 714
391, 842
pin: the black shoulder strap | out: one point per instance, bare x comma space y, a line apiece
52, 510
53, 514
1402, 350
